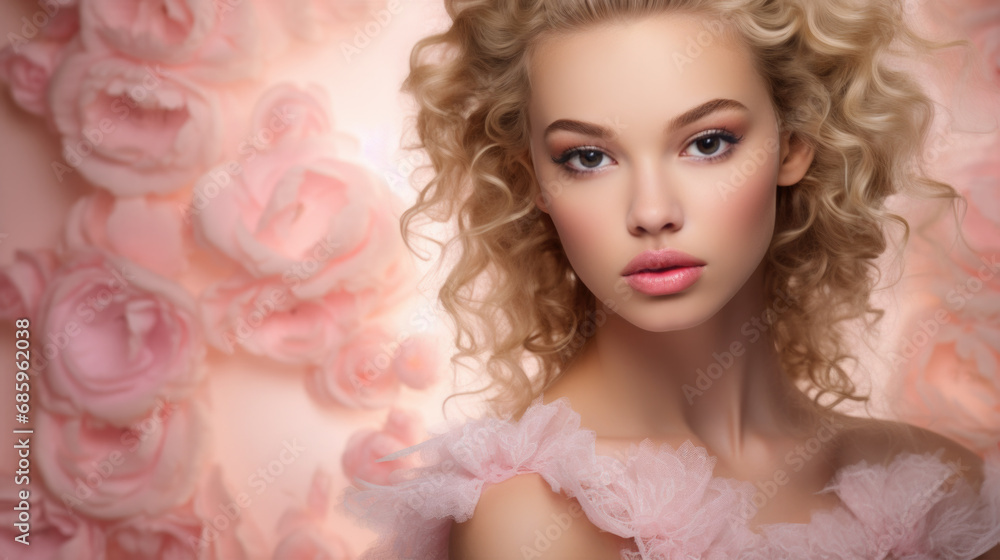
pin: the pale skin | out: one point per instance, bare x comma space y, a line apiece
657, 180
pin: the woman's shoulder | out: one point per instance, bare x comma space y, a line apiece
882, 442
523, 517
413, 514
912, 485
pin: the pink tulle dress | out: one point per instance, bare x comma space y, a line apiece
666, 502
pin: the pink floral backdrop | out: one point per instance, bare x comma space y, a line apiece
200, 256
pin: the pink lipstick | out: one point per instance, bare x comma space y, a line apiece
662, 272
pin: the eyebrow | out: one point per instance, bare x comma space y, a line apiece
684, 119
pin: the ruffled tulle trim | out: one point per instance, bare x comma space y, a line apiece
667, 500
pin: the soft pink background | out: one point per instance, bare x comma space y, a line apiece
254, 404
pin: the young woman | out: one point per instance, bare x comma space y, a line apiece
668, 215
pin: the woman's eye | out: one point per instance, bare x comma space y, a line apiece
715, 144
709, 145
587, 160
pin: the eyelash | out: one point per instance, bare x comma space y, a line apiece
724, 134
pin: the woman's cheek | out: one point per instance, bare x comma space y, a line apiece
579, 224
751, 208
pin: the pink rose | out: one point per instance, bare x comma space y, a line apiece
53, 533
150, 538
108, 472
314, 20
418, 361
358, 375
287, 113
979, 183
118, 338
145, 230
130, 127
297, 212
266, 320
27, 70
64, 20
949, 381
302, 532
365, 447
214, 39
23, 281
212, 526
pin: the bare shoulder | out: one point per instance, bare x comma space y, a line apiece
522, 517
881, 441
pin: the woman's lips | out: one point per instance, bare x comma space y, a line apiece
664, 281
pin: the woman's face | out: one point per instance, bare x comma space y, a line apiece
658, 157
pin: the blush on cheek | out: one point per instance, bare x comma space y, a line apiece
751, 208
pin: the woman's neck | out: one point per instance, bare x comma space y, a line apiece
719, 383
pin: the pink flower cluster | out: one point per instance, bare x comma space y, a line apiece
947, 363
209, 226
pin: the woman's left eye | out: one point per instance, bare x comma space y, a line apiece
713, 144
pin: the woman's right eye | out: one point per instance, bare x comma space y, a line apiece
588, 160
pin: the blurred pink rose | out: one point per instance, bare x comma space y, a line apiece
64, 21
151, 538
301, 530
23, 282
298, 212
314, 20
213, 39
118, 337
145, 230
266, 320
981, 189
108, 472
402, 429
418, 361
979, 20
287, 113
132, 128
28, 70
359, 373
949, 380
212, 526
988, 41
53, 532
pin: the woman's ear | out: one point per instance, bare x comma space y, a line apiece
795, 158
540, 199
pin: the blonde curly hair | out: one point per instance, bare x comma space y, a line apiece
513, 295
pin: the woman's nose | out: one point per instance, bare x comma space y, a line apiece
654, 206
